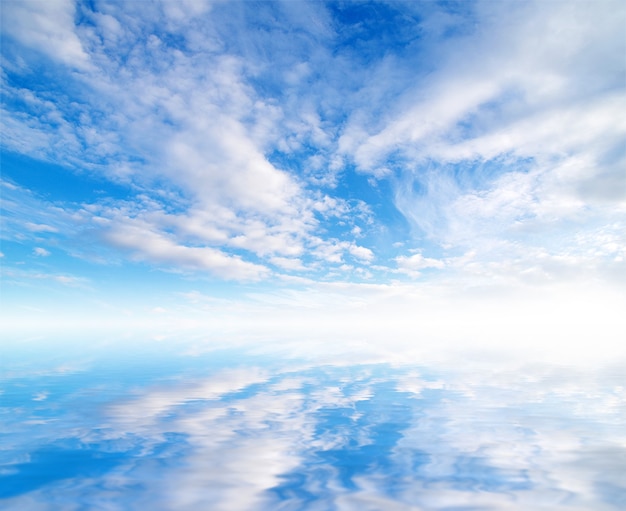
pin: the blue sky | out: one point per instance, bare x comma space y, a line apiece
397, 163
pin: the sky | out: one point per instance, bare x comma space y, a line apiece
444, 171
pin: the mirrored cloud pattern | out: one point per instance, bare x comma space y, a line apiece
233, 429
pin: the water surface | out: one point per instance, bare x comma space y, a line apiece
199, 426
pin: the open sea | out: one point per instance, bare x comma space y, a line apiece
203, 425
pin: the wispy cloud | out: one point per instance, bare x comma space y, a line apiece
501, 139
21, 277
141, 241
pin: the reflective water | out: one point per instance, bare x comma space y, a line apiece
165, 426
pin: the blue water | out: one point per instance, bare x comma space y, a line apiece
174, 426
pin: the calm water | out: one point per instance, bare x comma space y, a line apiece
199, 426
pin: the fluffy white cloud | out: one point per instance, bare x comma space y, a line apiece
363, 253
156, 246
412, 264
47, 27
288, 263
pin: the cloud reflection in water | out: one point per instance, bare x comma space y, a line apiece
247, 432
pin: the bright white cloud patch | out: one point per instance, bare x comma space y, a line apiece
158, 247
47, 27
412, 264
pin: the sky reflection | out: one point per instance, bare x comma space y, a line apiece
234, 429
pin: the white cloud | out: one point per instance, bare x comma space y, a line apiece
412, 264
47, 27
288, 263
212, 154
41, 252
40, 227
505, 145
199, 130
473, 128
362, 253
25, 278
146, 244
